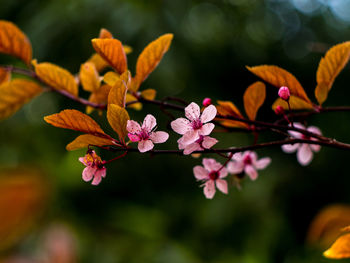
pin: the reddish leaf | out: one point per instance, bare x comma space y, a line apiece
85, 140
89, 77
117, 118
294, 102
340, 249
5, 75
100, 97
253, 98
227, 108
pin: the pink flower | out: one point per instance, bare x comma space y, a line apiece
94, 167
284, 93
145, 134
204, 142
196, 123
207, 102
279, 110
248, 163
304, 150
211, 174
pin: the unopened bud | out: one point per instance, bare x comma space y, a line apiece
279, 110
284, 93
207, 102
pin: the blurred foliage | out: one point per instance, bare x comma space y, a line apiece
151, 209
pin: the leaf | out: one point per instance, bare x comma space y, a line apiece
89, 77
294, 102
75, 120
117, 95
111, 77
340, 248
85, 140
279, 77
149, 94
15, 94
56, 77
150, 57
127, 49
98, 61
131, 98
117, 118
112, 51
14, 42
5, 75
100, 97
329, 68
253, 98
104, 33
227, 108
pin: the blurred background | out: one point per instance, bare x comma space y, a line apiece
152, 209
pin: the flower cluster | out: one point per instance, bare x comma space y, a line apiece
94, 167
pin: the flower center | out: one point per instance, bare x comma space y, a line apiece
247, 160
200, 140
197, 124
214, 175
143, 135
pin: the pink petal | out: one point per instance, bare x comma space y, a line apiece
262, 163
210, 164
209, 142
192, 111
223, 173
235, 167
237, 157
191, 148
181, 126
88, 173
134, 137
133, 126
251, 172
190, 137
208, 114
253, 156
149, 123
315, 147
304, 154
314, 129
159, 137
221, 185
209, 189
289, 148
81, 159
206, 129
145, 145
97, 180
200, 173
296, 134
181, 144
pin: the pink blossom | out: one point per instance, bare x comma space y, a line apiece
248, 163
304, 150
196, 123
204, 142
279, 110
94, 167
145, 134
284, 93
211, 174
207, 102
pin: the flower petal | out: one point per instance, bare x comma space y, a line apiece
192, 111
221, 185
209, 189
208, 114
159, 137
262, 163
88, 173
314, 129
134, 137
210, 164
191, 148
223, 173
290, 148
81, 159
209, 142
304, 154
181, 126
315, 147
237, 157
190, 137
235, 167
133, 126
149, 123
206, 129
145, 145
296, 134
97, 179
200, 173
251, 172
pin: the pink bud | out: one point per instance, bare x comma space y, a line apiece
279, 110
284, 93
207, 102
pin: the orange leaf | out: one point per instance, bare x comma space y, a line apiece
100, 97
98, 61
56, 77
227, 108
279, 77
14, 42
117, 95
112, 51
14, 94
75, 120
127, 49
253, 98
149, 94
5, 75
104, 33
340, 248
111, 77
132, 98
89, 77
83, 141
329, 68
150, 57
295, 104
117, 118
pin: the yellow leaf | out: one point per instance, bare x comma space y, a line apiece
111, 77
75, 120
132, 98
117, 118
98, 61
127, 49
294, 102
227, 108
89, 77
104, 33
279, 77
340, 248
112, 51
14, 42
149, 94
15, 94
85, 140
329, 68
57, 77
253, 98
5, 75
100, 97
150, 57
117, 95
